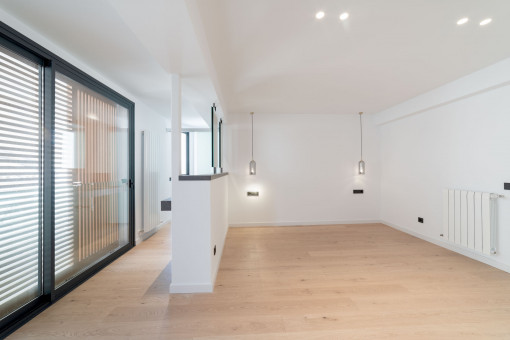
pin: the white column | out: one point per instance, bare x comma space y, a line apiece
176, 132
176, 151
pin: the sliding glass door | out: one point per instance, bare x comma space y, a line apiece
66, 178
20, 181
91, 177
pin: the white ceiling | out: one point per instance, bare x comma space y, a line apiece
273, 56
136, 44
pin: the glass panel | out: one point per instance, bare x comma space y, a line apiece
201, 153
91, 178
20, 181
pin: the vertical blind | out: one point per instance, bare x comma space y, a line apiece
91, 192
20, 181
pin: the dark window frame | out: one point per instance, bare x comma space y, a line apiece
220, 142
51, 63
187, 153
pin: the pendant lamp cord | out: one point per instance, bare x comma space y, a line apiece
361, 134
252, 135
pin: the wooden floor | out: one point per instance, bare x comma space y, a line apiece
319, 282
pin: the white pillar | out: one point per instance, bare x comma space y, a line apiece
176, 148
176, 131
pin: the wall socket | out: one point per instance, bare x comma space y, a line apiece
420, 219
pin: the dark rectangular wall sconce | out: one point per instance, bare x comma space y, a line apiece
252, 194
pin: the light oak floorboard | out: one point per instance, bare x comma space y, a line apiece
314, 282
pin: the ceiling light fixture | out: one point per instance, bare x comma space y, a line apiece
253, 165
361, 164
462, 21
485, 21
319, 15
344, 16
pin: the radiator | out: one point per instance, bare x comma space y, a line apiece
470, 219
150, 180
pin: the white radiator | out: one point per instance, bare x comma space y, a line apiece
150, 181
470, 219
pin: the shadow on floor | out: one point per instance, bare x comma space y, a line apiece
162, 283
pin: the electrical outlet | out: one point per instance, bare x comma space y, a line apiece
420, 219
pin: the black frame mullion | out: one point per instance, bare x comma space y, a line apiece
212, 137
48, 254
131, 132
220, 138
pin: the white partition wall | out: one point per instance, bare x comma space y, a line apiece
199, 228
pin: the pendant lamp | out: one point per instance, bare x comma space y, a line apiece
361, 164
253, 165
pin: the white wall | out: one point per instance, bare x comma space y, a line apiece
306, 169
219, 221
456, 136
145, 117
148, 120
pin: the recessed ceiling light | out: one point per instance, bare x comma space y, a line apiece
462, 21
319, 15
344, 16
485, 21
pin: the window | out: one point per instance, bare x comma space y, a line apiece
20, 181
66, 177
91, 172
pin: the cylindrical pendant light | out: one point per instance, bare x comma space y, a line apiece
361, 164
253, 165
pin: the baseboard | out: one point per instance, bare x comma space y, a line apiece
144, 236
191, 288
307, 223
466, 252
